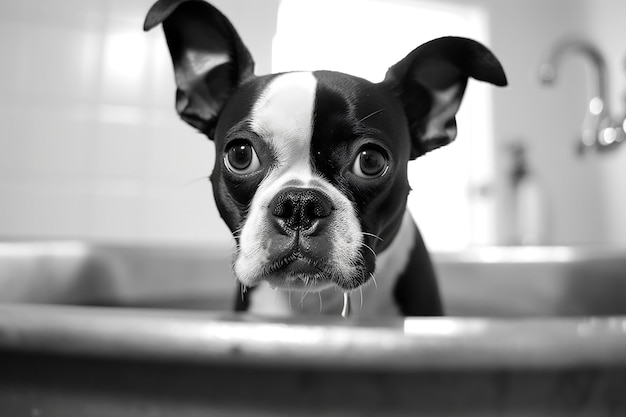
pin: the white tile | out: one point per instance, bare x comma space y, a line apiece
120, 150
38, 213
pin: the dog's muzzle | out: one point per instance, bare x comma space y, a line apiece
300, 245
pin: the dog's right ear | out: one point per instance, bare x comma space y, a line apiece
209, 58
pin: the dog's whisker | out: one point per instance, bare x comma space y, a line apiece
196, 180
319, 295
373, 235
371, 250
361, 292
289, 299
301, 302
309, 287
374, 280
372, 114
347, 305
232, 268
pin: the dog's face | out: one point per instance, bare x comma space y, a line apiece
310, 170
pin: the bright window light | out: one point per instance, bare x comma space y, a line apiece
364, 38
124, 60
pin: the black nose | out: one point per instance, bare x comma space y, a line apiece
300, 208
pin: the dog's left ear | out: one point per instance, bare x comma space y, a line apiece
209, 58
430, 83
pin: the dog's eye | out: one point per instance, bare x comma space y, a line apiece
241, 158
370, 163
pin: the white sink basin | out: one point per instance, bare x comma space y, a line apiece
491, 281
533, 281
78, 359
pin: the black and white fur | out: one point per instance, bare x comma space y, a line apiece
311, 167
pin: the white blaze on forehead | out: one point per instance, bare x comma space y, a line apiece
283, 116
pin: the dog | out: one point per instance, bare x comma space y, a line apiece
310, 172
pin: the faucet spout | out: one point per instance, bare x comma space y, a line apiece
548, 72
597, 129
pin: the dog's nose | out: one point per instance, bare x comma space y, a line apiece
300, 208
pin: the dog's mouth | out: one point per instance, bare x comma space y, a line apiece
297, 271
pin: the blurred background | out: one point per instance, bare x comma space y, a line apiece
91, 147
105, 201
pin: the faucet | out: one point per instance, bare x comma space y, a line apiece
599, 130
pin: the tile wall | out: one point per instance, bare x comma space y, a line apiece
90, 145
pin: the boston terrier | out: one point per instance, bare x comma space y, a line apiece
310, 171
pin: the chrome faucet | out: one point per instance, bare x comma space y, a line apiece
599, 130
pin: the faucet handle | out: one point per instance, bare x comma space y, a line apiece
547, 73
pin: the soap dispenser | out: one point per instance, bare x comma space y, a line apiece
529, 211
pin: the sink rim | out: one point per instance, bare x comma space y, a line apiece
445, 343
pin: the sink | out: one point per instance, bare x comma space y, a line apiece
488, 281
60, 360
144, 330
533, 281
137, 275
